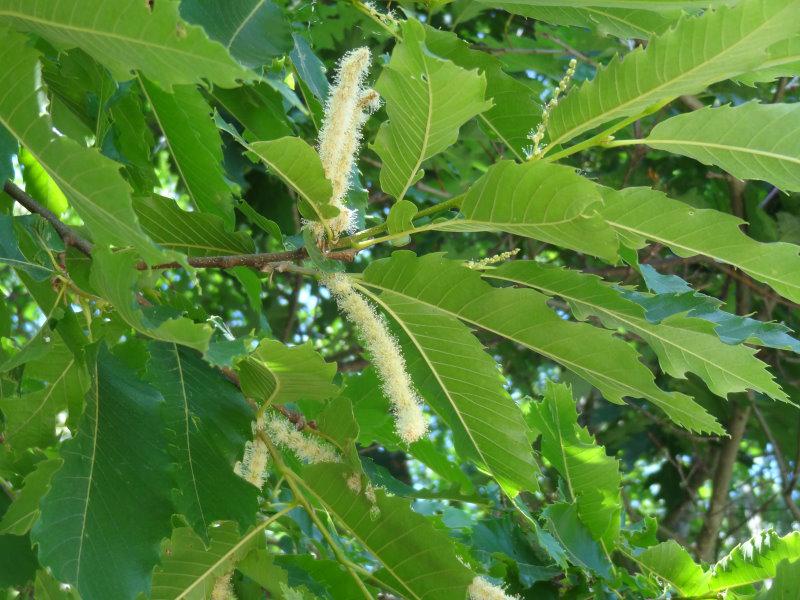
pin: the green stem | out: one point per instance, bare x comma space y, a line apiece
603, 138
294, 484
351, 241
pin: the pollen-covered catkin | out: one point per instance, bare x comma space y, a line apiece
305, 447
253, 466
386, 357
346, 111
482, 589
223, 590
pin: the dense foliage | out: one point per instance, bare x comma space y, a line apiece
444, 300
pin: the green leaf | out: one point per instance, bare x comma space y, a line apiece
189, 569
259, 109
195, 145
514, 112
674, 64
11, 254
786, 584
299, 166
191, 233
540, 200
583, 551
59, 381
24, 510
90, 181
592, 477
755, 560
400, 219
783, 60
114, 276
285, 374
108, 506
128, 34
751, 141
641, 214
418, 560
424, 113
253, 31
47, 588
682, 344
207, 424
326, 578
131, 140
628, 21
670, 562
522, 316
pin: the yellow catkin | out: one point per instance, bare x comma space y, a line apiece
491, 260
346, 111
305, 447
482, 589
253, 466
223, 590
386, 357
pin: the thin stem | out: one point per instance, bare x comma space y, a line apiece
293, 482
604, 137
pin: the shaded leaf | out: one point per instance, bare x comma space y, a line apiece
24, 510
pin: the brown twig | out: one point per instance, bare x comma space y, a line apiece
67, 234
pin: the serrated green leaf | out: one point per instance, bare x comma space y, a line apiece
207, 424
539, 200
754, 560
280, 373
583, 551
641, 214
259, 109
108, 506
674, 64
24, 510
522, 316
191, 233
628, 21
299, 166
114, 276
514, 112
671, 563
130, 140
592, 477
463, 385
424, 113
417, 559
128, 34
189, 569
682, 344
751, 141
786, 584
11, 254
90, 181
253, 31
47, 588
783, 60
195, 145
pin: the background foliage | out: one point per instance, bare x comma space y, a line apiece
611, 399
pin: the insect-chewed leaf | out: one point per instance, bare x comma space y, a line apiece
674, 64
751, 141
128, 35
91, 182
424, 113
418, 560
641, 214
207, 423
189, 569
114, 276
547, 202
755, 560
522, 316
683, 344
109, 504
194, 142
592, 477
280, 373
